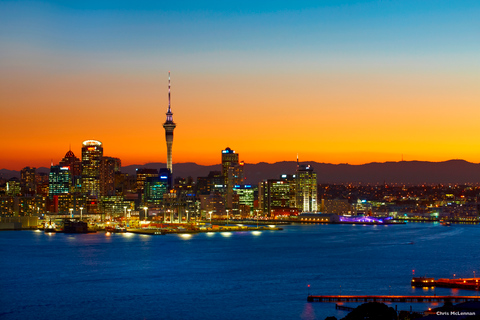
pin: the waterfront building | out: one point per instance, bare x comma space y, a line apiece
169, 126
336, 206
246, 198
92, 153
306, 188
275, 196
278, 196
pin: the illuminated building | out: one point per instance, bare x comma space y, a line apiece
28, 181
13, 187
232, 172
70, 160
275, 195
169, 126
142, 175
75, 165
214, 182
306, 188
229, 159
92, 153
109, 167
155, 188
246, 197
58, 181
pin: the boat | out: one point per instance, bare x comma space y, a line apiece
446, 223
71, 225
50, 229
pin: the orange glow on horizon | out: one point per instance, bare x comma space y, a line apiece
324, 118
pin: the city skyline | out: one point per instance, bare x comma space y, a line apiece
338, 82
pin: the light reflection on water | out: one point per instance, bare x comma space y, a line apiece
235, 277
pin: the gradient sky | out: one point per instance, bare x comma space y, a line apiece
334, 81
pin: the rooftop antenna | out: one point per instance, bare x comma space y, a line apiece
169, 110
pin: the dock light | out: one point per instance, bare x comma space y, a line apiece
256, 233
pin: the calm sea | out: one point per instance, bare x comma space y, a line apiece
240, 275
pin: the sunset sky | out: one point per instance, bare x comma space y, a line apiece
333, 81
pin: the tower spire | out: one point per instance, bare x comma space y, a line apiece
169, 126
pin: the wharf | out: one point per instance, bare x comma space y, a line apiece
461, 283
150, 232
163, 231
390, 298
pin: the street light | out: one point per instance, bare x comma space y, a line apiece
187, 216
129, 213
145, 208
125, 212
227, 217
81, 213
210, 216
71, 212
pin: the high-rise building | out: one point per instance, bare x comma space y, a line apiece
70, 160
229, 159
92, 153
28, 181
306, 184
169, 126
155, 188
232, 172
75, 165
142, 175
109, 167
58, 181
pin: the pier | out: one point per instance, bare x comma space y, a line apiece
389, 298
461, 283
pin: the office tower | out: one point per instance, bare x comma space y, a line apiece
169, 126
246, 198
28, 181
92, 153
75, 165
109, 167
306, 184
58, 181
142, 175
232, 172
70, 160
277, 196
229, 159
155, 188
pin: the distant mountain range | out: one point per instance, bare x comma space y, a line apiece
408, 172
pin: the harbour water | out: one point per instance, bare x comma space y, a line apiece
235, 275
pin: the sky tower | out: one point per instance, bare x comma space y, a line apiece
169, 126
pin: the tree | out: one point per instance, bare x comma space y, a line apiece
372, 311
